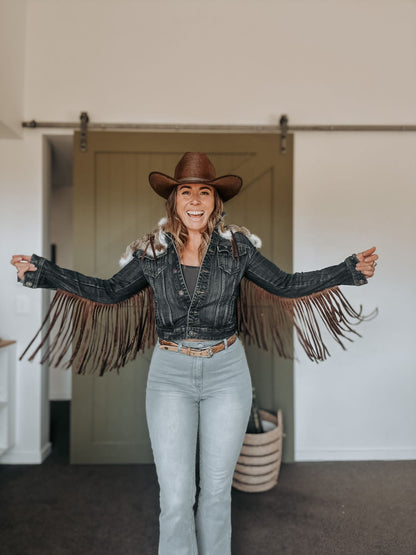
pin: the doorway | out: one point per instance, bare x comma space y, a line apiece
113, 204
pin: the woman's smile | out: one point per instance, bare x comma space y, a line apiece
195, 214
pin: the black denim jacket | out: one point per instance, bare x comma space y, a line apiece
211, 311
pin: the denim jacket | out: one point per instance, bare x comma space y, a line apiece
211, 312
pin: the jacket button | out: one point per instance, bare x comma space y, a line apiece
191, 333
29, 283
180, 293
175, 271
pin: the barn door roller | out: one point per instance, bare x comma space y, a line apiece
284, 121
83, 139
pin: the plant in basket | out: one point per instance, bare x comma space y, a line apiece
259, 462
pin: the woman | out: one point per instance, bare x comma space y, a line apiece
194, 268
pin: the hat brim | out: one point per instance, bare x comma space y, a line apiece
226, 185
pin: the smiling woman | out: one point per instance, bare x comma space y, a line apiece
199, 382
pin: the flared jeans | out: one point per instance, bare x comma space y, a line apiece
192, 398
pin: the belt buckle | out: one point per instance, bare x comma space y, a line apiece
208, 350
193, 351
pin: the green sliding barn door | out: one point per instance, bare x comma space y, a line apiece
114, 204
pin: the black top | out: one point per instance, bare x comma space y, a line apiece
190, 273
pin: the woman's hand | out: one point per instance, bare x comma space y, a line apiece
367, 262
22, 264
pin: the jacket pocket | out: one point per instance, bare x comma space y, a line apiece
226, 261
154, 267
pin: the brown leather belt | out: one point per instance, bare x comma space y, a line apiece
194, 351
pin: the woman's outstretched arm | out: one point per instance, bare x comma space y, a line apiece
37, 272
355, 270
271, 301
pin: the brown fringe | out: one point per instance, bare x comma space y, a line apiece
266, 320
103, 337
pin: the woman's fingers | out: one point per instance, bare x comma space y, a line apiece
25, 266
22, 264
368, 273
22, 260
19, 258
21, 271
368, 255
372, 258
368, 252
364, 264
367, 262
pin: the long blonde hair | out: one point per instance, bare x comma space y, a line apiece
177, 228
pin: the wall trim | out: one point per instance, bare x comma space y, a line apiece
376, 454
14, 456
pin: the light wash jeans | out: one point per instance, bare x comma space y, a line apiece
187, 395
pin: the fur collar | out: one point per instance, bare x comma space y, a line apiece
225, 233
160, 243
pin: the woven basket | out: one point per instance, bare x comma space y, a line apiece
258, 465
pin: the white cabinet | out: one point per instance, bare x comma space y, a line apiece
7, 394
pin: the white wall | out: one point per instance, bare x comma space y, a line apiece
12, 47
21, 227
360, 404
345, 61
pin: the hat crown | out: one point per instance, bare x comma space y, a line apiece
195, 165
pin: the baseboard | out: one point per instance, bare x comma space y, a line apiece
382, 454
14, 456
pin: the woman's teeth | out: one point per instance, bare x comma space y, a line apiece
195, 213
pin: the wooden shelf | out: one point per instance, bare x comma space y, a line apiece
4, 343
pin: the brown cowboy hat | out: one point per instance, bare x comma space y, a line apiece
195, 167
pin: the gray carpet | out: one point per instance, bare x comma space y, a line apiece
354, 508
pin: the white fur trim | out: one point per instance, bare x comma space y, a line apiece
125, 259
255, 239
161, 236
162, 239
225, 234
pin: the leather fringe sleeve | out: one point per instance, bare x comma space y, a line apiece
103, 337
266, 320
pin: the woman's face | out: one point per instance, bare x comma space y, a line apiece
195, 203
